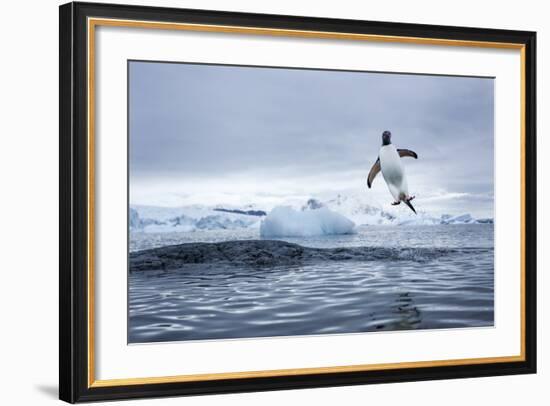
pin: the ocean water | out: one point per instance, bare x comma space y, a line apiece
438, 277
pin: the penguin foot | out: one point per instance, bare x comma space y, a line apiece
411, 198
395, 203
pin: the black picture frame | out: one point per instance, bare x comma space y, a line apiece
74, 385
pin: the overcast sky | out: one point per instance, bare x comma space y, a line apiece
203, 134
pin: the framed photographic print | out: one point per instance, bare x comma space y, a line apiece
255, 202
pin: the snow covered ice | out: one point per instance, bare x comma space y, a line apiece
284, 221
313, 217
150, 219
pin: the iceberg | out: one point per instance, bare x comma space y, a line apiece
134, 222
284, 221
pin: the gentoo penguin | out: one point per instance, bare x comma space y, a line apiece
389, 162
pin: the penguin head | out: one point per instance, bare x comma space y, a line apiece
386, 138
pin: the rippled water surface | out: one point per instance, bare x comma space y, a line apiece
417, 290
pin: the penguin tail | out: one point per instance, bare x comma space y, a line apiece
408, 203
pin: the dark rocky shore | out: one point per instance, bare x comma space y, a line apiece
259, 253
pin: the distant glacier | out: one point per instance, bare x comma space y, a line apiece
188, 219
334, 216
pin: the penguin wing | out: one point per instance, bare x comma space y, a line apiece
373, 172
407, 152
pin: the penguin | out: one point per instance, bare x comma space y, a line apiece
389, 162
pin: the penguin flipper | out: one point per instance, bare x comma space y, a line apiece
407, 152
373, 172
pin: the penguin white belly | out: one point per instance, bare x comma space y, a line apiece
393, 173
